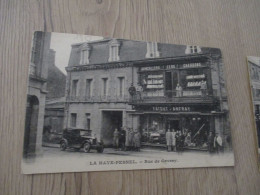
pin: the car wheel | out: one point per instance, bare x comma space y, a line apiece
86, 147
100, 150
63, 146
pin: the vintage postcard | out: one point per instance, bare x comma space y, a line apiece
254, 77
99, 104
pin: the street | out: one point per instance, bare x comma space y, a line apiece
55, 160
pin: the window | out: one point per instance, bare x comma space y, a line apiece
104, 92
74, 87
152, 50
73, 119
190, 49
113, 50
88, 87
87, 122
121, 83
84, 55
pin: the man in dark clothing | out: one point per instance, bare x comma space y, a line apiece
211, 142
122, 139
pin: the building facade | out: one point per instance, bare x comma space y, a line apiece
148, 86
254, 68
36, 94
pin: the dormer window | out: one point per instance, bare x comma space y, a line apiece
114, 50
152, 50
84, 55
190, 49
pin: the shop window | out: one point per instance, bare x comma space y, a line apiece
104, 92
121, 83
114, 50
74, 88
84, 55
73, 119
87, 122
88, 87
152, 50
191, 49
154, 85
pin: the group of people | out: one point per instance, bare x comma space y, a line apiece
177, 140
127, 139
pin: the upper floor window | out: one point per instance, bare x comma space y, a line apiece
84, 54
114, 50
73, 119
104, 92
190, 49
87, 121
89, 87
74, 87
121, 84
152, 50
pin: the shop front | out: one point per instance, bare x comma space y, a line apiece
193, 121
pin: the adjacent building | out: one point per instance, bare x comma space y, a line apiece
152, 87
36, 94
254, 70
55, 99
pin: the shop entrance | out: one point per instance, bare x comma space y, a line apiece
173, 124
111, 120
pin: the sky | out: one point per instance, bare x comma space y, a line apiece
61, 43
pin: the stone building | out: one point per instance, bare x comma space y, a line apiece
174, 87
55, 99
36, 95
254, 68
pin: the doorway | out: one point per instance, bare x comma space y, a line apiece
173, 124
111, 120
31, 123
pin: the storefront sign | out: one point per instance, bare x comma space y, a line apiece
200, 76
171, 108
192, 65
171, 66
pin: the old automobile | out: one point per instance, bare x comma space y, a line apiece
80, 138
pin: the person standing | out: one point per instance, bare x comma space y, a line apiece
178, 90
122, 139
174, 140
116, 138
139, 90
132, 91
127, 144
218, 143
178, 140
203, 88
131, 137
211, 142
137, 140
169, 140
188, 139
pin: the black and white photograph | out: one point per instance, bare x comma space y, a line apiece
254, 76
98, 104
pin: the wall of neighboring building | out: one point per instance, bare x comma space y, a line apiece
56, 79
37, 86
